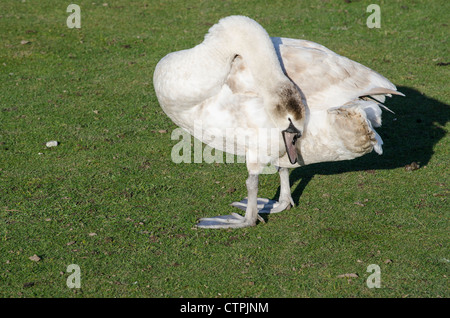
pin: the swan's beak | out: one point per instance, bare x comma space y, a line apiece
290, 136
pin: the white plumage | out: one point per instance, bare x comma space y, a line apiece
254, 95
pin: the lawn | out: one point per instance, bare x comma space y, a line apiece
109, 199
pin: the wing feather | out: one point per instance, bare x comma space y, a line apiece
326, 78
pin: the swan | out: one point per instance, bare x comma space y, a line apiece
277, 101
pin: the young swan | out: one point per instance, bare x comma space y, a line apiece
277, 101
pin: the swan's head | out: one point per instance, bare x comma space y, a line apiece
292, 110
291, 135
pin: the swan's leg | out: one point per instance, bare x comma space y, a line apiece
236, 220
270, 206
285, 190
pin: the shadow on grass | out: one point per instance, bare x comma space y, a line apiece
409, 135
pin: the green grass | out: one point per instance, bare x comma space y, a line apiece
110, 199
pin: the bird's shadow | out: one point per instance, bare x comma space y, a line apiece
410, 135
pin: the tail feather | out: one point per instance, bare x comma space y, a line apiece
382, 91
379, 94
353, 124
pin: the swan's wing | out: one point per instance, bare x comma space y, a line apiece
326, 78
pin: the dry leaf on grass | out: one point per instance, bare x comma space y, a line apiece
34, 258
348, 275
413, 166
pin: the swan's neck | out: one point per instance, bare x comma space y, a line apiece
244, 37
187, 78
